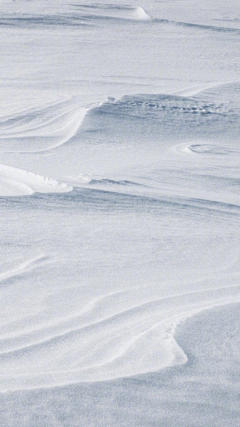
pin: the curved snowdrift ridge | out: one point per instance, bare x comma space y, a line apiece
97, 345
43, 128
18, 182
111, 12
140, 14
80, 16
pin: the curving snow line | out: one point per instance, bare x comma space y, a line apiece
18, 182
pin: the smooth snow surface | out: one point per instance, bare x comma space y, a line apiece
120, 213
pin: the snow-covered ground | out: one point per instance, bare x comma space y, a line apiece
119, 213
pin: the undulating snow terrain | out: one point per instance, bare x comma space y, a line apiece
120, 213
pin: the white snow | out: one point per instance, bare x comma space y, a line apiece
119, 266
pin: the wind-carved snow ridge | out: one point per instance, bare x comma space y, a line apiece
25, 266
43, 128
198, 26
77, 16
18, 182
140, 14
100, 343
111, 12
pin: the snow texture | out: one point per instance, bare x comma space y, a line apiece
120, 213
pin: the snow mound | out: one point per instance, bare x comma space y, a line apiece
18, 182
140, 14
